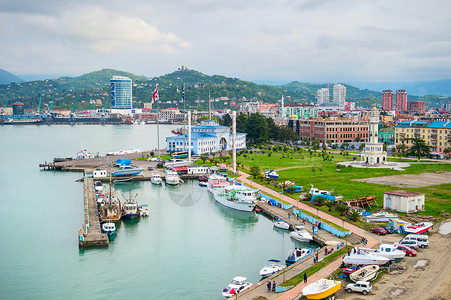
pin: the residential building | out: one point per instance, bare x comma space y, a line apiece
387, 100
446, 106
387, 136
250, 107
436, 133
404, 201
121, 92
416, 107
401, 100
374, 153
323, 96
335, 129
209, 137
349, 106
339, 96
301, 111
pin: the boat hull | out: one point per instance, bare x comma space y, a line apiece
325, 293
130, 216
282, 225
235, 205
156, 181
301, 238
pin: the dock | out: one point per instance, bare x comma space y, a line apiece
91, 235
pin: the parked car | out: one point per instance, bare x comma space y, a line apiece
379, 230
388, 228
411, 244
150, 168
360, 286
409, 251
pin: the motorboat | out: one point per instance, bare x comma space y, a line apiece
237, 285
156, 178
365, 258
202, 178
122, 152
380, 217
271, 174
301, 234
315, 191
127, 171
418, 228
203, 183
122, 179
109, 228
130, 208
366, 273
216, 181
144, 210
100, 198
83, 154
176, 162
237, 197
98, 186
386, 250
297, 254
321, 289
281, 224
272, 267
172, 178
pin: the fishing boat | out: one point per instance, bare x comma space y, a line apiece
380, 217
365, 258
172, 178
110, 209
237, 285
366, 273
127, 171
216, 181
418, 228
156, 178
301, 234
387, 250
321, 289
272, 267
281, 224
237, 197
130, 208
297, 254
109, 228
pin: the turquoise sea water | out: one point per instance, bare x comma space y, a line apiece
189, 248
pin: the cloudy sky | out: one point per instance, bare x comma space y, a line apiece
259, 40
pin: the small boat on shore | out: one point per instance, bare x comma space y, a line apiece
98, 186
386, 250
127, 171
418, 228
365, 258
297, 254
281, 224
156, 178
321, 289
366, 273
271, 175
237, 285
109, 228
380, 217
300, 234
273, 266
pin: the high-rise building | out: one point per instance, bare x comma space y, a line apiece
401, 100
416, 107
387, 100
121, 92
323, 96
339, 95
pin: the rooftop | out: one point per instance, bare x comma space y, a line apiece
403, 193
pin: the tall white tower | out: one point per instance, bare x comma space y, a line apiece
322, 96
339, 96
374, 153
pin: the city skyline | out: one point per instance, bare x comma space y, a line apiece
279, 41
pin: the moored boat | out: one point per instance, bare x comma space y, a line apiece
272, 267
366, 273
109, 228
130, 208
301, 234
203, 183
238, 284
321, 289
172, 178
110, 209
281, 224
237, 197
156, 178
216, 181
297, 254
98, 186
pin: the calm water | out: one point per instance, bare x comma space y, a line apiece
189, 248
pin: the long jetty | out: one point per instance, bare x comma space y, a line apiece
91, 235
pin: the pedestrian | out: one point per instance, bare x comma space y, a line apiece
269, 286
273, 286
305, 277
319, 225
349, 252
325, 250
288, 215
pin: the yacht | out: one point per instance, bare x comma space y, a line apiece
300, 234
297, 254
386, 250
273, 266
281, 224
176, 162
172, 178
127, 171
216, 181
156, 178
237, 285
237, 197
365, 258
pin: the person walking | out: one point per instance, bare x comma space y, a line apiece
269, 286
273, 286
305, 277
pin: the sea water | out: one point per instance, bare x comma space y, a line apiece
189, 248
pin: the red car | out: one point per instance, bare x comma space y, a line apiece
409, 251
379, 230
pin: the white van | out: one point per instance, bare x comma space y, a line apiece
421, 239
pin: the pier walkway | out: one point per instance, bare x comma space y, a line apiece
91, 227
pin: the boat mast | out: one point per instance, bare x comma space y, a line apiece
234, 141
189, 135
158, 134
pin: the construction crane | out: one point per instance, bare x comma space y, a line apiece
106, 102
4, 106
39, 107
75, 105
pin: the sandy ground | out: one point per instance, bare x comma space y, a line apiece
427, 276
411, 181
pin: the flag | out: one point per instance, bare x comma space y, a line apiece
155, 95
183, 94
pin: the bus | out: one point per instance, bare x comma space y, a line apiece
183, 154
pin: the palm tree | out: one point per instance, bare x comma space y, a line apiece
419, 147
341, 208
447, 152
255, 171
353, 215
203, 158
330, 204
320, 200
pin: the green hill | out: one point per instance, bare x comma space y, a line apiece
7, 77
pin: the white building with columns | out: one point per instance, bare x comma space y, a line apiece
374, 153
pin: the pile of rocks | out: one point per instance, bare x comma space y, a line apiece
419, 219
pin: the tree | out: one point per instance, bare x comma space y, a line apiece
358, 138
241, 123
362, 146
313, 170
203, 158
257, 129
447, 152
291, 189
320, 200
255, 171
401, 148
330, 204
353, 215
341, 208
419, 147
321, 170
226, 120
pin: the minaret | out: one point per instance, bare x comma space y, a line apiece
281, 111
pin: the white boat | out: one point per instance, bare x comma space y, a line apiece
273, 266
203, 183
281, 224
389, 251
144, 210
237, 285
380, 217
100, 198
127, 171
366, 273
418, 228
272, 175
216, 181
83, 154
109, 228
297, 254
156, 178
98, 186
177, 162
300, 234
365, 258
315, 191
122, 152
172, 178
237, 197
320, 289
